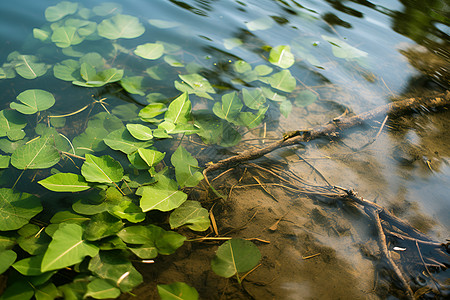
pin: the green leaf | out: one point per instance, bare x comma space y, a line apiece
148, 113
192, 214
67, 70
88, 72
114, 266
263, 70
4, 161
283, 81
120, 26
271, 95
47, 292
140, 132
38, 154
173, 61
151, 157
102, 169
232, 43
163, 24
252, 120
30, 266
107, 8
149, 51
169, 242
179, 110
65, 182
129, 211
41, 34
157, 72
260, 24
343, 50
67, 248
19, 290
235, 256
11, 120
33, 100
102, 225
67, 217
241, 66
229, 108
102, 289
286, 108
281, 56
60, 10
305, 98
8, 258
123, 141
15, 135
32, 240
133, 84
28, 66
213, 130
186, 168
177, 291
66, 36
198, 83
163, 195
253, 98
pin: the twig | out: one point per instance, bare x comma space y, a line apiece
425, 266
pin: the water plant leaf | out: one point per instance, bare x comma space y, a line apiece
213, 130
140, 132
235, 256
281, 56
305, 98
41, 34
67, 217
102, 225
168, 242
38, 154
151, 157
32, 240
342, 49
133, 84
285, 108
177, 291
252, 120
65, 182
253, 98
148, 113
4, 161
263, 70
102, 289
129, 211
27, 66
186, 168
229, 108
179, 110
84, 27
149, 51
67, 248
163, 195
104, 169
173, 61
198, 83
66, 36
19, 290
115, 266
260, 24
47, 292
120, 26
88, 72
231, 43
122, 140
283, 81
67, 70
107, 8
30, 266
163, 24
271, 95
32, 101
192, 214
60, 10
11, 120
8, 258
242, 66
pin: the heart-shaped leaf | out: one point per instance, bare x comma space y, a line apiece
198, 83
102, 289
343, 50
8, 258
140, 132
283, 81
229, 107
11, 120
123, 141
235, 256
148, 113
102, 225
177, 290
16, 209
67, 248
281, 56
60, 10
260, 24
149, 50
102, 169
38, 154
179, 110
253, 98
151, 157
66, 36
305, 98
107, 8
120, 26
252, 120
27, 66
65, 182
186, 168
133, 84
192, 214
67, 70
163, 195
33, 101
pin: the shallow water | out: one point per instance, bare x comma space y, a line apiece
396, 49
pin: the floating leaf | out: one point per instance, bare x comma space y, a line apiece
169, 242
173, 61
102, 169
129, 211
186, 168
27, 66
102, 289
149, 50
263, 70
107, 8
33, 101
84, 27
120, 26
198, 83
192, 214
241, 66
122, 140
343, 50
47, 292
260, 24
60, 10
253, 98
4, 161
235, 256
140, 132
151, 157
163, 24
252, 120
179, 110
67, 217
163, 195
102, 225
281, 56
133, 84
177, 290
229, 108
11, 120
67, 248
88, 72
19, 290
148, 113
305, 98
232, 43
41, 34
283, 81
67, 70
30, 266
65, 182
38, 154
8, 258
66, 36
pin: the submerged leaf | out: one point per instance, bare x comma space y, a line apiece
120, 26
177, 290
192, 214
305, 98
253, 98
16, 209
229, 108
163, 195
11, 120
283, 81
27, 66
343, 50
102, 169
186, 168
252, 120
60, 10
66, 36
38, 154
149, 50
260, 24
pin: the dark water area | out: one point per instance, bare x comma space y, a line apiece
350, 56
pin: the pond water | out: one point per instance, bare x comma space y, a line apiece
348, 57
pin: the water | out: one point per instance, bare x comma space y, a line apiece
395, 49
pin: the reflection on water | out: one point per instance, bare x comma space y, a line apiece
391, 49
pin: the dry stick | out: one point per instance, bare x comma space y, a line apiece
374, 214
338, 124
426, 268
